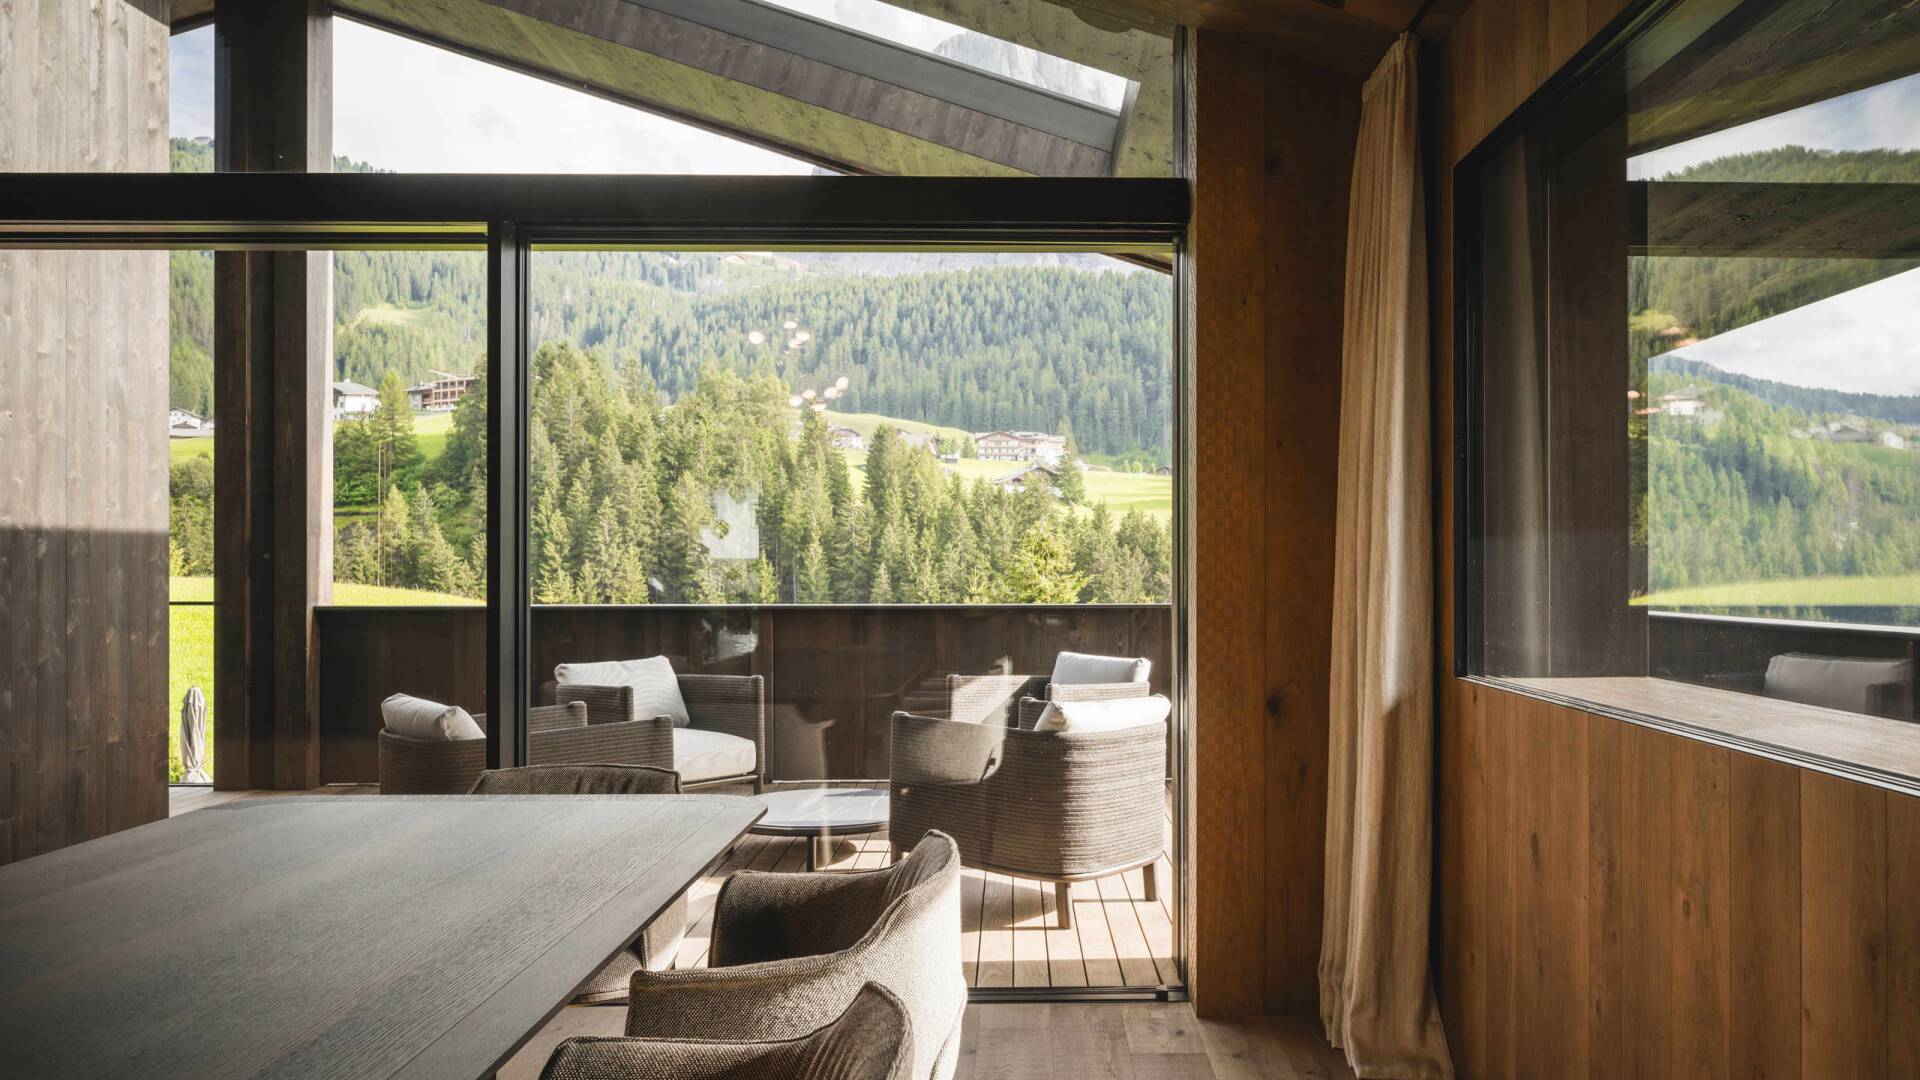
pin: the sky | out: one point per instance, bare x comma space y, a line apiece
1865, 340
1884, 117
489, 119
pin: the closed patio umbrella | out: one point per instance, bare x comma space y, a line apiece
193, 737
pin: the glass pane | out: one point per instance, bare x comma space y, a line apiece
409, 414
1737, 502
190, 425
850, 514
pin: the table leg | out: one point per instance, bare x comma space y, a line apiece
819, 851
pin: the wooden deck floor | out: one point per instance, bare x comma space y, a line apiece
1009, 926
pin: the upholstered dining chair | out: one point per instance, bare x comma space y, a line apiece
871, 1040
791, 950
659, 938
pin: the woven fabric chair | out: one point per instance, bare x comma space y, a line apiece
871, 1040
556, 734
1048, 806
659, 938
791, 950
730, 704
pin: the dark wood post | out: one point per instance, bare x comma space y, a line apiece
273, 349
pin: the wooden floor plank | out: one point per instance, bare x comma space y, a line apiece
972, 895
1064, 966
1154, 925
1096, 940
1029, 934
996, 933
1129, 941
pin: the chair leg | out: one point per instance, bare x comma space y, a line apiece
1063, 904
1150, 881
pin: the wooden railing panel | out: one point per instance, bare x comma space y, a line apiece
834, 674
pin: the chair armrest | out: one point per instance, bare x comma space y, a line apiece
927, 750
730, 704
605, 704
632, 742
764, 916
988, 698
587, 1058
780, 999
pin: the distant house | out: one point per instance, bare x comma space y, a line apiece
443, 392
919, 440
1020, 446
1848, 431
1892, 441
845, 438
186, 424
1164, 470
1022, 479
353, 399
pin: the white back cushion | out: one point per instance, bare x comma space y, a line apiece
656, 692
418, 718
1079, 669
1835, 682
1103, 715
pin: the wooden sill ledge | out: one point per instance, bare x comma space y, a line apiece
1870, 749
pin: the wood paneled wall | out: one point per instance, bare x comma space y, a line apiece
83, 446
1273, 143
1617, 901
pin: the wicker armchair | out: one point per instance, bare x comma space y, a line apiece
1047, 806
871, 1040
729, 704
658, 939
791, 950
556, 734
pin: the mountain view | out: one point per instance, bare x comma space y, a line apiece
825, 403
1794, 493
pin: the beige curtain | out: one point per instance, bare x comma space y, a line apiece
1375, 995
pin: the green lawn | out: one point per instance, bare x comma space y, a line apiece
1892, 591
1150, 494
430, 432
190, 644
345, 594
867, 423
387, 313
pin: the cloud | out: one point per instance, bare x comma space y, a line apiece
1864, 340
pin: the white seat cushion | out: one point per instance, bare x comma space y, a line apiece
1102, 715
418, 718
656, 690
1080, 669
699, 754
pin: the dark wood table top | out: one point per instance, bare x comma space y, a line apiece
343, 937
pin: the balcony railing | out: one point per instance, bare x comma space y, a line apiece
834, 673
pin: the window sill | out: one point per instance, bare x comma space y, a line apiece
1869, 749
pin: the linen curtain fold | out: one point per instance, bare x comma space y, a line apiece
1376, 997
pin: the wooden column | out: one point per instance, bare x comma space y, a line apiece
1273, 150
273, 348
83, 451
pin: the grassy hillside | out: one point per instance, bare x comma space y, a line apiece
867, 423
1900, 590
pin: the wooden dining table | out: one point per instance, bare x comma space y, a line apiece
350, 936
